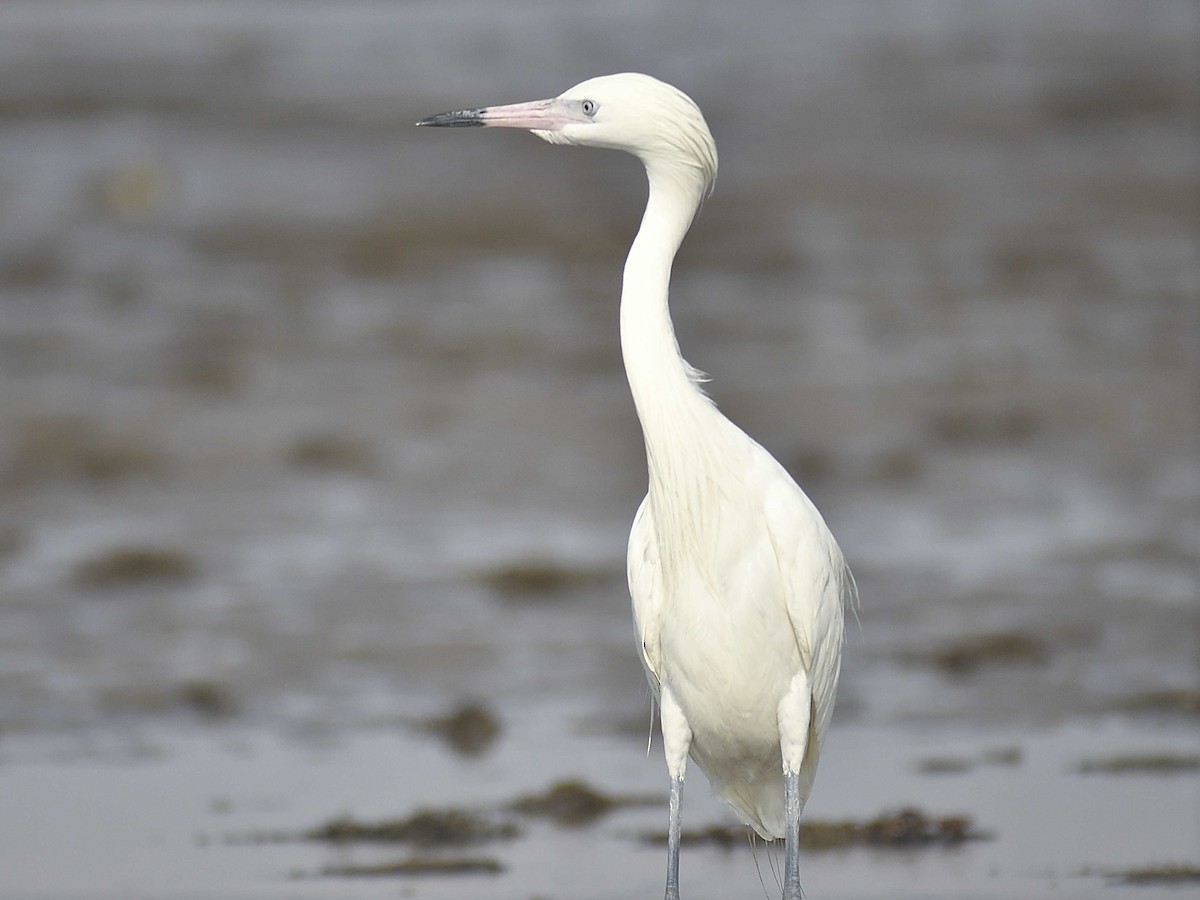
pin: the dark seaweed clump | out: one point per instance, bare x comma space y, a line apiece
427, 830
420, 865
66, 447
908, 828
957, 765
574, 803
205, 698
470, 729
967, 655
131, 566
424, 828
1180, 701
944, 765
1158, 764
539, 579
331, 453
1160, 875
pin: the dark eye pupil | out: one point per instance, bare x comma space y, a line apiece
589, 107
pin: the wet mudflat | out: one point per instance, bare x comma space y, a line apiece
317, 461
197, 813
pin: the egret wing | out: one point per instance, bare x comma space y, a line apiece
817, 587
645, 588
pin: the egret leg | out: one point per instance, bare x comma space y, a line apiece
795, 719
677, 738
791, 858
673, 840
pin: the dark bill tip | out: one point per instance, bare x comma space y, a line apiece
462, 118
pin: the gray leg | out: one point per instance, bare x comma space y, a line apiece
677, 738
795, 720
791, 859
673, 840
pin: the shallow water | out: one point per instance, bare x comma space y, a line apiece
190, 815
313, 424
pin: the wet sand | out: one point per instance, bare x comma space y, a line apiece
317, 461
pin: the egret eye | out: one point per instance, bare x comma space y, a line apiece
589, 107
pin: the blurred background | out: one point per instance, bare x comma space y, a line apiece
313, 429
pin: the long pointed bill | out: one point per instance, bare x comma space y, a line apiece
538, 115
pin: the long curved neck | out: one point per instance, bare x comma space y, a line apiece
669, 405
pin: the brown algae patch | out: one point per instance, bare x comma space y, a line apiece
130, 565
470, 729
535, 579
957, 765
944, 765
330, 453
965, 656
1169, 874
974, 426
68, 447
1156, 764
424, 828
207, 699
416, 866
907, 828
1178, 701
573, 803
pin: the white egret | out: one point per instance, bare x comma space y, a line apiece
739, 589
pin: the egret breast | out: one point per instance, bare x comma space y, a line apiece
728, 655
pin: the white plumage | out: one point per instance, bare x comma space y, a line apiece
739, 589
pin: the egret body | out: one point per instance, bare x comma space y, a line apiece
739, 589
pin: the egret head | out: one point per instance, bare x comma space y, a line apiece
641, 115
